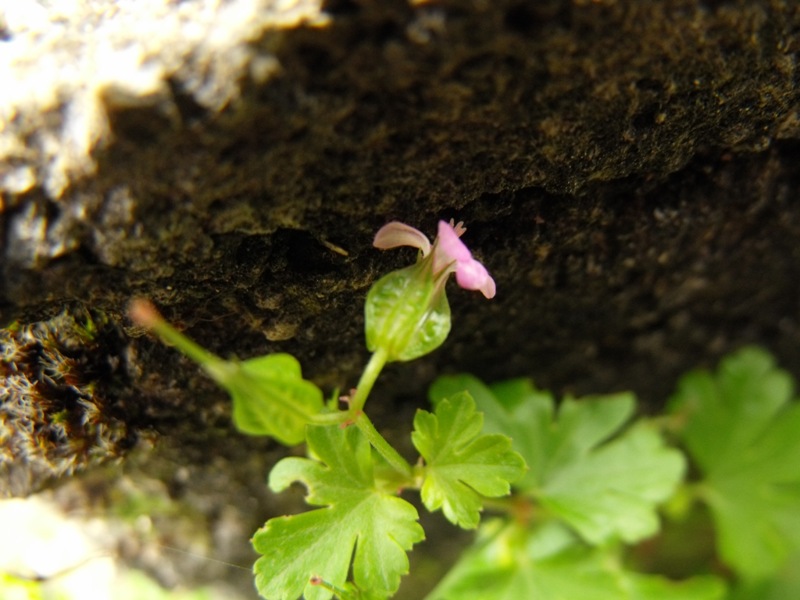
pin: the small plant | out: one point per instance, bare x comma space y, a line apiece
575, 497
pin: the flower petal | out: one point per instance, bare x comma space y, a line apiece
395, 234
472, 275
449, 244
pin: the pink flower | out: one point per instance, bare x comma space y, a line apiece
449, 254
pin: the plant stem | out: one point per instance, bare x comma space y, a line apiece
517, 506
330, 418
506, 504
362, 421
383, 447
145, 314
368, 377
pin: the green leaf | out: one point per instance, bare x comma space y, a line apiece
406, 313
613, 490
349, 592
497, 415
360, 521
509, 562
602, 487
270, 396
649, 587
509, 414
744, 434
462, 466
783, 586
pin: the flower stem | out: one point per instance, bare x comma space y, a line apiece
338, 417
362, 421
368, 377
145, 314
383, 447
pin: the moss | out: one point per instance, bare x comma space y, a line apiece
57, 413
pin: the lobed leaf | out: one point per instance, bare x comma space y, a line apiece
270, 396
741, 428
784, 585
462, 465
602, 487
509, 562
613, 490
359, 522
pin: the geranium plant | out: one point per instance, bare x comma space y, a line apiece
573, 488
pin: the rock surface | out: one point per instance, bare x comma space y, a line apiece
627, 171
